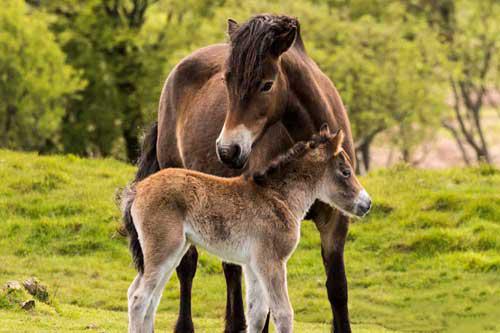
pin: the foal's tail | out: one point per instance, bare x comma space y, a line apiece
146, 165
148, 161
127, 199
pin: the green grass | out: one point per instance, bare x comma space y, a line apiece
427, 259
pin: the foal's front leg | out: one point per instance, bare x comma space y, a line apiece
272, 275
257, 302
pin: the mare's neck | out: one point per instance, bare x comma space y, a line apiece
310, 93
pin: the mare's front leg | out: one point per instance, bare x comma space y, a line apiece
185, 272
333, 227
235, 313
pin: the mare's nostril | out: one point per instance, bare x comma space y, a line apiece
229, 154
235, 152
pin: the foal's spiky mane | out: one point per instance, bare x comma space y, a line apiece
251, 43
278, 164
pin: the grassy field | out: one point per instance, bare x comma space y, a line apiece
427, 259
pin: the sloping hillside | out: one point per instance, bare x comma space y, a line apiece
427, 259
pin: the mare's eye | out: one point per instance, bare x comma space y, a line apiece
346, 173
266, 86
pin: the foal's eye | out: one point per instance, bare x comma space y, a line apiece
346, 173
266, 86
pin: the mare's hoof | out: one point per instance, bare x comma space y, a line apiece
184, 327
235, 330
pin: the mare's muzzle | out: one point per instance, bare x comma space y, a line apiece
231, 155
233, 147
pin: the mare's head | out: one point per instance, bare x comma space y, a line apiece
323, 163
256, 85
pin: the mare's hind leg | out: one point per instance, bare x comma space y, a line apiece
235, 313
333, 227
257, 302
185, 272
272, 276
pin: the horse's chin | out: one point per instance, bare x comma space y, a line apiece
238, 164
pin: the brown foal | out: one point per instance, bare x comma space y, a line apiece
252, 220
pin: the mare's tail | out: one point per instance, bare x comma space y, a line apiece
148, 161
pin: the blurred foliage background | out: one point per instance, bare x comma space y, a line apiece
84, 77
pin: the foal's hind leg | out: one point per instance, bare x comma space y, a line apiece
144, 300
163, 243
257, 302
272, 276
168, 267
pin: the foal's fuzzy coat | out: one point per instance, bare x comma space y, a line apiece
252, 220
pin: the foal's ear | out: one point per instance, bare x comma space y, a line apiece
337, 141
324, 129
284, 41
232, 26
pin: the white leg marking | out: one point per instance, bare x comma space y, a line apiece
257, 302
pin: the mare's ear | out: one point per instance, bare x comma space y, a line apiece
324, 130
232, 26
284, 41
337, 141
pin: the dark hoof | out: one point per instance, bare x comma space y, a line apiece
346, 328
184, 327
235, 329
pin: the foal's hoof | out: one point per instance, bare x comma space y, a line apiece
184, 327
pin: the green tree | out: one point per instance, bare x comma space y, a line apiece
470, 31
35, 81
123, 47
387, 71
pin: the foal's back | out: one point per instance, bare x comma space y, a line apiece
226, 216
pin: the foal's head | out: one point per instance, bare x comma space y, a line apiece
323, 163
255, 82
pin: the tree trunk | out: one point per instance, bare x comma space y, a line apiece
459, 142
364, 158
9, 120
483, 155
365, 154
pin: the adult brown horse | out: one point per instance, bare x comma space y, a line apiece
255, 97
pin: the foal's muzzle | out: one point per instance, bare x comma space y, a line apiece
362, 204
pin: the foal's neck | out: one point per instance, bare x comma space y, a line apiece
298, 187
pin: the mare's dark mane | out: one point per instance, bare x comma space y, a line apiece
277, 165
250, 43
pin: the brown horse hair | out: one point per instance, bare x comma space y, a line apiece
250, 44
277, 166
